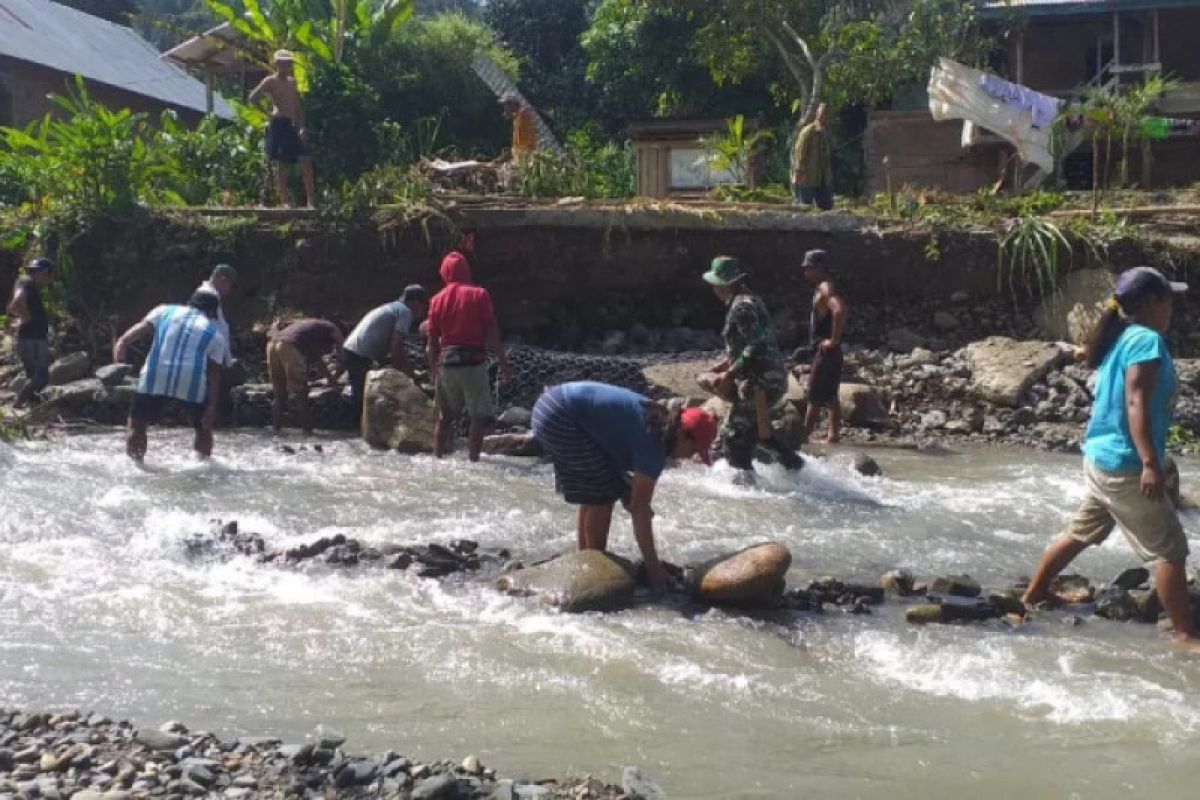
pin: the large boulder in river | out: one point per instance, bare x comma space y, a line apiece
1003, 369
750, 577
397, 415
677, 379
70, 368
862, 406
588, 580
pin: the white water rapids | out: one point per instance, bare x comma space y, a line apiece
101, 609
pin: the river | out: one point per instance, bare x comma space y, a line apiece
101, 609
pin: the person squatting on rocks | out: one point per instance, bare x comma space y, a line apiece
462, 329
1125, 446
609, 444
380, 334
27, 312
812, 163
752, 376
827, 323
285, 134
291, 352
184, 364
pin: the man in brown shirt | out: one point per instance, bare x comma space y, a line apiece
290, 354
812, 163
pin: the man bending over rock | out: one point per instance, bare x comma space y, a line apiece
184, 365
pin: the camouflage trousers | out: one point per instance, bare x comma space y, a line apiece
739, 431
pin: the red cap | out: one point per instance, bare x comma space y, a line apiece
702, 427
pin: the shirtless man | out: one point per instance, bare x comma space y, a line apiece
285, 134
826, 326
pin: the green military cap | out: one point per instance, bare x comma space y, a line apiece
725, 270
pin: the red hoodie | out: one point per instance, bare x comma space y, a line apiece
461, 314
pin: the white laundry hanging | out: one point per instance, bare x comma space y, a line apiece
955, 93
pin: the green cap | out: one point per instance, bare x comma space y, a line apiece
724, 271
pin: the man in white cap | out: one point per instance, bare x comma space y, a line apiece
285, 134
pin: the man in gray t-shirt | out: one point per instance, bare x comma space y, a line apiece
380, 334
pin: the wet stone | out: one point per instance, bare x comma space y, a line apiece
438, 787
1132, 578
956, 585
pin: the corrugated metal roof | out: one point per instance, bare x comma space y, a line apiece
61, 38
218, 51
992, 8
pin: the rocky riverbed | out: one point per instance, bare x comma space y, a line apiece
88, 756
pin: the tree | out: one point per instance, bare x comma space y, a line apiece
544, 35
804, 51
644, 59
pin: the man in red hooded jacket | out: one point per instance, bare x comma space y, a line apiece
462, 330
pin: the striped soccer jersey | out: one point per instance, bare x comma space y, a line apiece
184, 342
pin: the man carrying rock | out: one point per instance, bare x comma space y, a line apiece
291, 352
380, 334
462, 331
752, 376
827, 323
184, 365
27, 312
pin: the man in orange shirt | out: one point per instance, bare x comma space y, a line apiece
524, 138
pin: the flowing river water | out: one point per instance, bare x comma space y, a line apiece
101, 609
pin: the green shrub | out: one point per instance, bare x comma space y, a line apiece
215, 163
588, 169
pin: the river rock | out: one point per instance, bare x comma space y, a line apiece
862, 406
640, 786
438, 787
750, 577
512, 444
396, 413
1132, 578
945, 321
897, 581
866, 466
159, 740
516, 417
1003, 369
114, 374
678, 379
589, 580
72, 367
956, 585
1115, 603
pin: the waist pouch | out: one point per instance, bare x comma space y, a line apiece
458, 356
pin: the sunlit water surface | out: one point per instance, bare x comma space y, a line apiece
100, 608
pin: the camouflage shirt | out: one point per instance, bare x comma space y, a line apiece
750, 338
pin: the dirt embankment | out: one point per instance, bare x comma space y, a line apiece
561, 277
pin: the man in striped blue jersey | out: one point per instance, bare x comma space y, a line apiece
184, 365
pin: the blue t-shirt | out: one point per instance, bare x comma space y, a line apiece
1108, 443
616, 419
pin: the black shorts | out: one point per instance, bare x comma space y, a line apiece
283, 141
149, 409
826, 376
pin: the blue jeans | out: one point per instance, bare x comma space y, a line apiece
818, 196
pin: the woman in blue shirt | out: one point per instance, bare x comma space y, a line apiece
1125, 446
609, 444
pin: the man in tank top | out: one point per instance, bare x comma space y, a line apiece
827, 323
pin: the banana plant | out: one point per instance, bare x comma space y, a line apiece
319, 30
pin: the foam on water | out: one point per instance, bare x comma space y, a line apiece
101, 607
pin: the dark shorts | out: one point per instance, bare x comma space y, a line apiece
583, 472
817, 196
149, 409
283, 141
826, 376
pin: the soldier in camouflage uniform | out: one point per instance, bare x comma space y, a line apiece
753, 365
